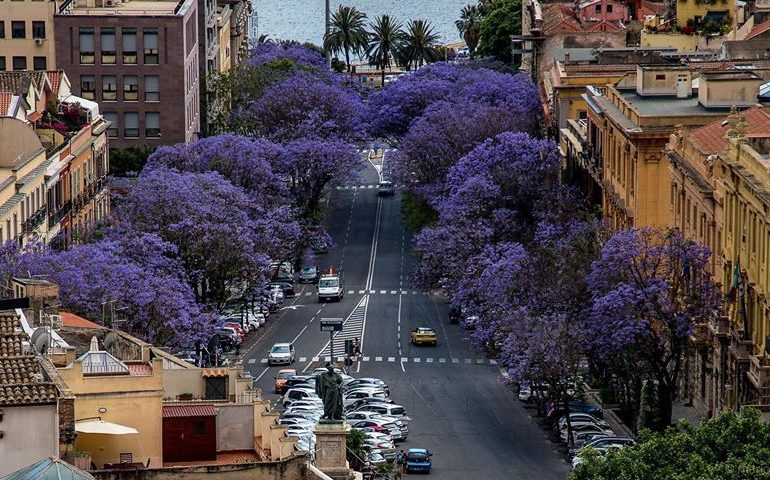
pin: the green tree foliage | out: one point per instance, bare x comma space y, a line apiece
347, 33
126, 160
722, 448
469, 24
502, 19
355, 449
420, 45
386, 38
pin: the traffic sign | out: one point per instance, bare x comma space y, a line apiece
331, 324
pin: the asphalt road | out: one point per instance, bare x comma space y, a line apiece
460, 408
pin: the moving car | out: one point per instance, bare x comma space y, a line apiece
386, 188
424, 335
330, 286
418, 460
308, 275
282, 377
281, 353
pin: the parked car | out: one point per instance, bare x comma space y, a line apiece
604, 441
388, 409
580, 417
283, 277
350, 397
579, 458
282, 377
584, 427
231, 333
418, 460
368, 401
286, 288
281, 353
308, 275
237, 327
293, 394
367, 382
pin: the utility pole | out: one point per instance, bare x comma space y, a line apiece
326, 34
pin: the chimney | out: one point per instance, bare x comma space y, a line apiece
94, 345
566, 57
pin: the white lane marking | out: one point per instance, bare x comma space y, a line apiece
416, 360
480, 361
428, 360
300, 333
467, 360
391, 359
415, 292
349, 329
402, 367
327, 359
442, 360
351, 292
383, 292
360, 292
264, 360
404, 359
455, 360
493, 362
252, 360
376, 359
393, 292
315, 359
302, 359
366, 359
404, 292
319, 311
261, 374
375, 241
307, 294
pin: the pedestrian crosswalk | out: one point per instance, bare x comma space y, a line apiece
351, 329
374, 292
366, 186
325, 357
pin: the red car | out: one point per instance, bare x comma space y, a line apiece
237, 327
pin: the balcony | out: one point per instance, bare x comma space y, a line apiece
719, 327
59, 214
35, 220
759, 376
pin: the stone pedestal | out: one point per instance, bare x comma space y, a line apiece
330, 449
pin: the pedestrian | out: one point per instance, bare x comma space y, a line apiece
357, 346
401, 461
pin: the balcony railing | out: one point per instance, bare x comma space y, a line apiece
35, 220
59, 214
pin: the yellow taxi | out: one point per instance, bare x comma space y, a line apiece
280, 379
423, 336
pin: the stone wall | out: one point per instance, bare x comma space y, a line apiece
293, 468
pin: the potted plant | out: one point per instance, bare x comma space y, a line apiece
185, 396
82, 460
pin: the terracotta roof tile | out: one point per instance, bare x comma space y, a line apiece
54, 78
20, 383
594, 69
5, 102
652, 8
181, 411
139, 368
71, 320
758, 30
710, 139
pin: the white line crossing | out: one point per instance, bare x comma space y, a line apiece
376, 359
303, 359
391, 359
264, 360
351, 329
252, 360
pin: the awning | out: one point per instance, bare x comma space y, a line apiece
214, 372
186, 411
718, 16
104, 428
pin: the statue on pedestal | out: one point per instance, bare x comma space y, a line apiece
328, 386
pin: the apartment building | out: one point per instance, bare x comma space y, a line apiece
53, 158
132, 57
27, 35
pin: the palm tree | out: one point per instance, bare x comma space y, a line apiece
385, 39
420, 46
469, 24
347, 32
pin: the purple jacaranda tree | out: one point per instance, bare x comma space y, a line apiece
246, 163
441, 136
650, 287
304, 106
223, 239
392, 110
140, 273
310, 166
268, 52
492, 195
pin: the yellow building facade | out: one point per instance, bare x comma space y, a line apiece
698, 11
27, 42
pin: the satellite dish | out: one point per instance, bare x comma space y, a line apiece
110, 340
40, 340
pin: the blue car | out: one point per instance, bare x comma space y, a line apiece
418, 460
